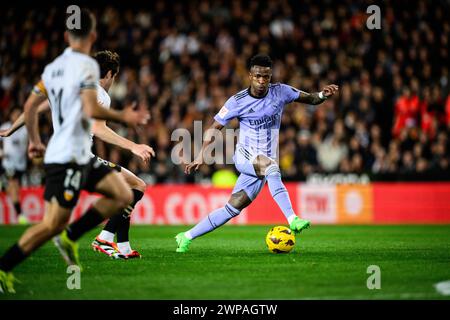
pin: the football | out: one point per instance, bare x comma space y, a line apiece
280, 239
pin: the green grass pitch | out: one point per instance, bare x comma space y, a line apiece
328, 262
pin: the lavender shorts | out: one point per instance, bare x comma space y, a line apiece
248, 180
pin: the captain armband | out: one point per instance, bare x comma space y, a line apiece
39, 89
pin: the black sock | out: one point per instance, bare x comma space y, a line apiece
123, 229
89, 221
12, 258
17, 207
112, 224
123, 226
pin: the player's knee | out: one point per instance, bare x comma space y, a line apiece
120, 192
54, 227
239, 200
124, 197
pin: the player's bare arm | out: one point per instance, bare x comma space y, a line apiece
129, 116
35, 148
194, 165
105, 133
20, 122
317, 97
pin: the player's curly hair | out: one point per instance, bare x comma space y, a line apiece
107, 60
262, 60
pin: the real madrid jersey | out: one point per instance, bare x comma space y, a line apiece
64, 79
259, 117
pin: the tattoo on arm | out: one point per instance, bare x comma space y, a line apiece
309, 98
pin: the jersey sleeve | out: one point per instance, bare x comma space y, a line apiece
289, 93
39, 89
227, 112
90, 75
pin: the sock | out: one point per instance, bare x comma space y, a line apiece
12, 258
111, 225
88, 221
278, 191
214, 220
123, 227
17, 207
124, 247
106, 236
117, 220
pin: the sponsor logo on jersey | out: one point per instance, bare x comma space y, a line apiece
265, 122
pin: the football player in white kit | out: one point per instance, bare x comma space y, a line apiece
14, 162
70, 83
120, 224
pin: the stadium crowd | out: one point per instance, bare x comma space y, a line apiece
183, 59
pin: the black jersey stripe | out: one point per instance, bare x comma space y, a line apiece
240, 94
243, 96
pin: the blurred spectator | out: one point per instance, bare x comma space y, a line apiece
330, 153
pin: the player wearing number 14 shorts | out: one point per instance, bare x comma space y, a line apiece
70, 83
118, 224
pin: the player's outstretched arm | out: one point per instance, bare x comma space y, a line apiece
36, 148
128, 116
105, 133
20, 122
198, 161
317, 97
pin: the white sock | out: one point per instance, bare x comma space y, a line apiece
291, 218
188, 235
124, 247
106, 236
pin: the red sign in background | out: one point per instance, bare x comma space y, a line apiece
411, 203
328, 204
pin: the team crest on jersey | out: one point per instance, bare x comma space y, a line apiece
68, 195
223, 112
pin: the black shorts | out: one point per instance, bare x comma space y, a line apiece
65, 181
108, 164
98, 169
